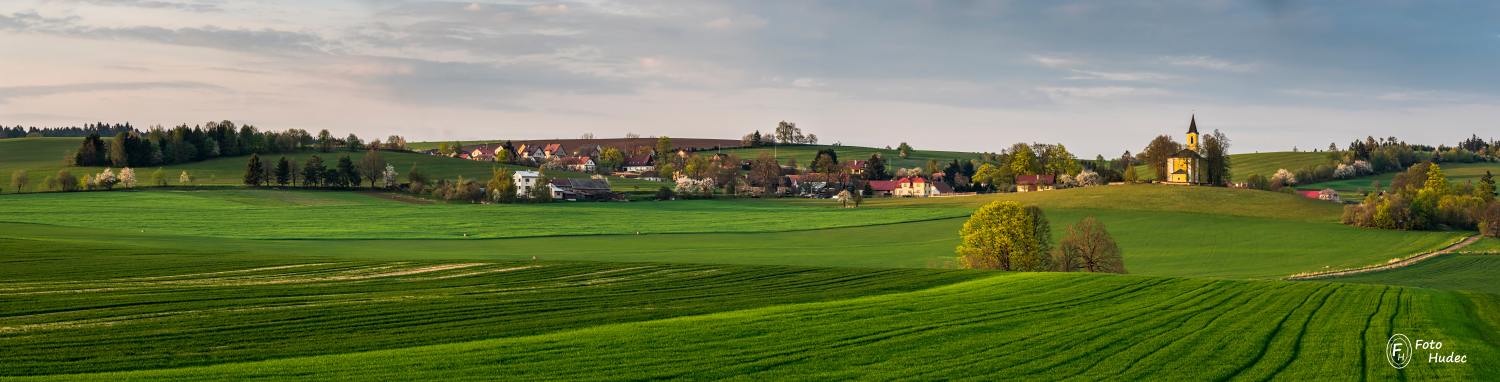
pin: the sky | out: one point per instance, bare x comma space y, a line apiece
1100, 77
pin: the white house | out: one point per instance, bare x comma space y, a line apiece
525, 181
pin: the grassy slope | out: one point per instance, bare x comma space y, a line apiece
1013, 326
43, 157
1459, 272
1280, 235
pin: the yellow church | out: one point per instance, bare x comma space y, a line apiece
1183, 167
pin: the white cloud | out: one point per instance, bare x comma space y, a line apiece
1054, 61
1080, 74
1207, 62
744, 22
1070, 94
805, 82
548, 9
472, 7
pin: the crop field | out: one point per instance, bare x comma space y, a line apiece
43, 157
1003, 326
1458, 272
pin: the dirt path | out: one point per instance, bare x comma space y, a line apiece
1387, 266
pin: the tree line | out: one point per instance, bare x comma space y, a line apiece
182, 144
106, 129
1422, 198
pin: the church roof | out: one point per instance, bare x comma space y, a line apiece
1193, 124
1185, 153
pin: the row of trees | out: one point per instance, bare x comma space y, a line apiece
1009, 236
1422, 198
100, 128
344, 173
785, 133
183, 144
107, 179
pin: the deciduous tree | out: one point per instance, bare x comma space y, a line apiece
1005, 236
1088, 247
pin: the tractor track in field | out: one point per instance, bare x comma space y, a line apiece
1413, 260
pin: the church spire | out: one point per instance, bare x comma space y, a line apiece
1193, 124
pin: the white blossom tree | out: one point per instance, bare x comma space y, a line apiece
106, 179
1286, 177
127, 177
1088, 178
389, 176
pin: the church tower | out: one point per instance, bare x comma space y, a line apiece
1192, 134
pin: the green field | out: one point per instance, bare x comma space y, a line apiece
1004, 326
43, 157
1458, 272
234, 283
1264, 164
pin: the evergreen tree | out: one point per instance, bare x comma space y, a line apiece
312, 171
283, 172
348, 175
253, 171
1486, 188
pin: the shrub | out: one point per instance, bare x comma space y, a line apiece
664, 193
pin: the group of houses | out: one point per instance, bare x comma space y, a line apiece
579, 159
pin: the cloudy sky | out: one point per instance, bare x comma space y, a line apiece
1100, 77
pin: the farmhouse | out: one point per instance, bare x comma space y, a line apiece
577, 163
1183, 166
883, 187
917, 187
640, 163
1030, 183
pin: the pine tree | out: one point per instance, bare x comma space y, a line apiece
283, 171
253, 171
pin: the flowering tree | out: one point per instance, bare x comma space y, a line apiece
1285, 177
1087, 178
1344, 171
389, 176
690, 186
105, 180
127, 177
185, 179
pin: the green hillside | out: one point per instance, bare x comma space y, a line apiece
1007, 326
1266, 164
1458, 173
43, 157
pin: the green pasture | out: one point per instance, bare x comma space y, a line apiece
1026, 326
43, 157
